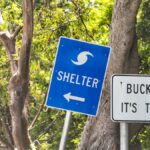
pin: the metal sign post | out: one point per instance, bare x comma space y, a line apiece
123, 136
65, 131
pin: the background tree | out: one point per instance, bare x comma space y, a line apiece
81, 19
101, 132
19, 81
143, 33
52, 19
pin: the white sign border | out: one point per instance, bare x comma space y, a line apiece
111, 98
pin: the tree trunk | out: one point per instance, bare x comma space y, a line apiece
19, 82
100, 133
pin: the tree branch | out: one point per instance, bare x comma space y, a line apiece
4, 35
4, 123
8, 124
82, 20
49, 127
6, 143
16, 32
7, 131
9, 44
62, 25
38, 114
23, 64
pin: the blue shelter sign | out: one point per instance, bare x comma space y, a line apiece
78, 76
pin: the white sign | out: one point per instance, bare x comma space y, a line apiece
130, 98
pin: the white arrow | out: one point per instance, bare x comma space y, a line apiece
69, 97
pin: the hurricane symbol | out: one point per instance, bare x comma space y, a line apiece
82, 58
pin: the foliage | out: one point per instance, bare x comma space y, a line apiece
144, 138
83, 19
87, 20
143, 32
76, 20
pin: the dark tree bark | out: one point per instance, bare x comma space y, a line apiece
19, 81
100, 133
